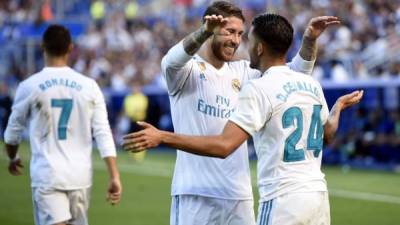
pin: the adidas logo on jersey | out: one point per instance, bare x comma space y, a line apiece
202, 76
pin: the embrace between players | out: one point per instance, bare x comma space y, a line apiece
277, 103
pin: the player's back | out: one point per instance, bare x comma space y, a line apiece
289, 142
61, 105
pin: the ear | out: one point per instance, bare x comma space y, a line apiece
70, 48
260, 49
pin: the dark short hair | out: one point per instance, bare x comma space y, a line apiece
56, 40
225, 9
275, 31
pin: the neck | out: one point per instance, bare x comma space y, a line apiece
207, 54
269, 61
60, 61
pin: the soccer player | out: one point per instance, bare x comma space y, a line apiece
203, 83
65, 110
287, 115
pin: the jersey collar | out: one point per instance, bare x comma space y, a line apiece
273, 69
219, 72
48, 68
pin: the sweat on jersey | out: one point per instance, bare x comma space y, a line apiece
65, 110
284, 111
202, 99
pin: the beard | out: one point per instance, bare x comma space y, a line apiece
223, 51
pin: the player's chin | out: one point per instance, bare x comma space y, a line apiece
226, 57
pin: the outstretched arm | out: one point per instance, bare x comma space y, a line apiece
342, 103
314, 29
220, 146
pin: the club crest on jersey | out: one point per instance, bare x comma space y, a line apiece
236, 85
202, 66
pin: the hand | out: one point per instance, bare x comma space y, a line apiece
139, 141
114, 191
351, 99
214, 22
14, 167
317, 25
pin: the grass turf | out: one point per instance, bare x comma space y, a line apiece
146, 194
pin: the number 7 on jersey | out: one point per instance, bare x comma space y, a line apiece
66, 108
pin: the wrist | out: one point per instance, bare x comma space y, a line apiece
163, 136
308, 39
339, 105
15, 159
205, 31
115, 176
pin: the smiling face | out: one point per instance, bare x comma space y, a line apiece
225, 43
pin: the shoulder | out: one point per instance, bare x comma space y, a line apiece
83, 78
252, 87
31, 81
309, 79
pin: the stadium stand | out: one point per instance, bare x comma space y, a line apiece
120, 41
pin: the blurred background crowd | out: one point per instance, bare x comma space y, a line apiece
120, 43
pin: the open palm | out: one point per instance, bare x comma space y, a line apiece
317, 25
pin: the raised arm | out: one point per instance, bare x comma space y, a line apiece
314, 29
181, 53
176, 65
304, 61
220, 146
193, 41
345, 101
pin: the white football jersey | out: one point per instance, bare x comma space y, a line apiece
65, 110
202, 99
284, 111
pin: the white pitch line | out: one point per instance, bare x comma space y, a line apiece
364, 196
148, 168
165, 170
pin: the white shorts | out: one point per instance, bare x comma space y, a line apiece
199, 210
53, 206
296, 209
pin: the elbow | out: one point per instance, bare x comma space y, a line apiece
329, 132
222, 155
164, 64
225, 150
328, 139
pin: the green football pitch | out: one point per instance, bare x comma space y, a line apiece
357, 197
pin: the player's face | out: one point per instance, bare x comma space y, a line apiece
226, 41
253, 50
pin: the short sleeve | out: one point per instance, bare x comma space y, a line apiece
253, 109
